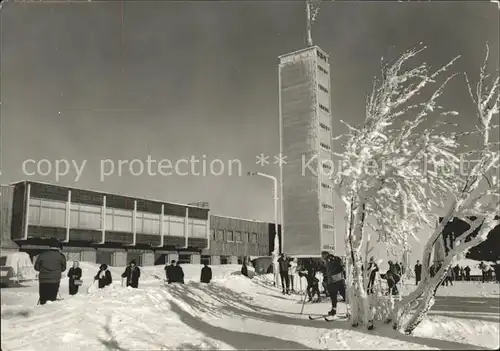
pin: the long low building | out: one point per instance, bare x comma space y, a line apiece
113, 229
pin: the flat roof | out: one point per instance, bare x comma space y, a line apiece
304, 50
108, 193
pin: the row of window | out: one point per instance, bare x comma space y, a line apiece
53, 213
324, 146
323, 88
324, 126
233, 236
326, 186
327, 226
324, 108
326, 166
322, 69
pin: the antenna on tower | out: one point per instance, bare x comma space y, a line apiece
312, 12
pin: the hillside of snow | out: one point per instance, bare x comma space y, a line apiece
232, 312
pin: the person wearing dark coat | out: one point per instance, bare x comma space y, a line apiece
178, 273
244, 270
456, 272
132, 273
50, 264
335, 279
372, 269
467, 273
418, 272
103, 277
206, 274
284, 264
393, 278
74, 275
312, 282
170, 272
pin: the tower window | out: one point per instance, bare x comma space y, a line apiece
327, 226
324, 126
324, 146
324, 108
326, 186
327, 207
323, 88
322, 70
321, 56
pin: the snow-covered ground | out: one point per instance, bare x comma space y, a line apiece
232, 312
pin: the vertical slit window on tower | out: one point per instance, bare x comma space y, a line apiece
323, 88
328, 207
324, 108
322, 70
324, 146
321, 56
324, 126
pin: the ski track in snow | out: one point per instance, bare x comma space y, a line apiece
232, 312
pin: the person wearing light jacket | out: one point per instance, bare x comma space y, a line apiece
292, 272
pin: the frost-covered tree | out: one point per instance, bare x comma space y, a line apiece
387, 186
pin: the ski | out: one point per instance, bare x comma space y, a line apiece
317, 318
335, 318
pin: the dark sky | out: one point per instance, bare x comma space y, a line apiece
176, 79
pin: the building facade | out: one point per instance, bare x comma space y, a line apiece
306, 141
113, 229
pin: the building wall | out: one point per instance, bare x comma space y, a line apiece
299, 129
6, 201
225, 240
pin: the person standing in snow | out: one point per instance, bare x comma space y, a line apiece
50, 264
244, 269
393, 278
372, 271
312, 282
292, 272
418, 272
103, 277
206, 274
74, 275
456, 272
178, 273
335, 279
132, 274
449, 277
484, 270
467, 273
170, 272
283, 265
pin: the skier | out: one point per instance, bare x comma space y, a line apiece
50, 264
206, 274
74, 275
178, 273
418, 272
467, 273
103, 277
132, 273
335, 279
283, 266
170, 272
372, 271
312, 282
393, 278
292, 271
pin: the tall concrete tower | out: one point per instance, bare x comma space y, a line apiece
306, 141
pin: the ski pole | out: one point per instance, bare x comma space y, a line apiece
303, 303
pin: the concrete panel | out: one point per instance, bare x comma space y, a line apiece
119, 259
195, 259
172, 256
233, 260
88, 256
215, 260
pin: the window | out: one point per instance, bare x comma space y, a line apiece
328, 207
324, 126
326, 166
197, 228
324, 146
212, 234
324, 108
326, 186
53, 213
176, 226
327, 226
184, 259
253, 238
205, 259
220, 235
245, 237
321, 55
237, 237
323, 88
322, 70
34, 212
229, 235
223, 260
150, 223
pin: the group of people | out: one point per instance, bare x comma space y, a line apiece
51, 263
288, 271
459, 273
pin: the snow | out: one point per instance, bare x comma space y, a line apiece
232, 312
